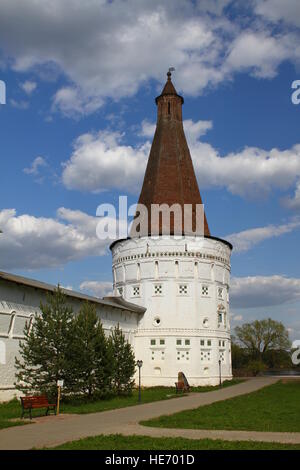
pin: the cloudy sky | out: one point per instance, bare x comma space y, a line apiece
76, 130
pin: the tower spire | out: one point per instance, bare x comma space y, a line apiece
170, 177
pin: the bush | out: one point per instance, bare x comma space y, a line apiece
256, 367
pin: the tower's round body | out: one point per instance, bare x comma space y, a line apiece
179, 275
184, 286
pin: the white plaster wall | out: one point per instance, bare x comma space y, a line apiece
182, 310
21, 303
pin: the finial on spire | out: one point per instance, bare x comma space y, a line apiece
171, 69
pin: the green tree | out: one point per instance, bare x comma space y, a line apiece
239, 356
90, 358
123, 362
45, 349
261, 336
256, 367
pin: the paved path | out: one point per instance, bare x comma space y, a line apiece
54, 430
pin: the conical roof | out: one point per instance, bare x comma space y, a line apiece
170, 177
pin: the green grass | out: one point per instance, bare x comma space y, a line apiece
8, 411
118, 442
12, 410
150, 394
273, 408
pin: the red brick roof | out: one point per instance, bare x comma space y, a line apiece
170, 176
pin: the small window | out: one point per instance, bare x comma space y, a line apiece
158, 289
208, 342
136, 291
169, 108
178, 342
187, 342
183, 289
153, 342
204, 290
220, 317
201, 342
220, 292
162, 341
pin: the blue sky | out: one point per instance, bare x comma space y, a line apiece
78, 122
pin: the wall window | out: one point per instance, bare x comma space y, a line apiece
120, 290
205, 290
183, 356
162, 342
220, 318
205, 343
136, 291
153, 342
183, 289
157, 289
157, 355
220, 292
187, 342
221, 343
222, 355
205, 355
178, 342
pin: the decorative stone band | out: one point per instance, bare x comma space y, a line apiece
211, 333
172, 254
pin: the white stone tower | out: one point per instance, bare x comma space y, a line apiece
182, 282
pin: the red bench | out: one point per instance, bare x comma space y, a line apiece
31, 403
182, 387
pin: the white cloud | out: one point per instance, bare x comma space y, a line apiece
35, 166
245, 240
277, 10
195, 130
252, 172
97, 288
264, 291
28, 86
110, 49
22, 104
237, 318
147, 129
294, 202
29, 242
258, 52
101, 162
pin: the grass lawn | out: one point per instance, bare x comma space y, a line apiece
273, 408
11, 410
148, 395
118, 442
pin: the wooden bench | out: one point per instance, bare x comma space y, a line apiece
30, 403
181, 387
